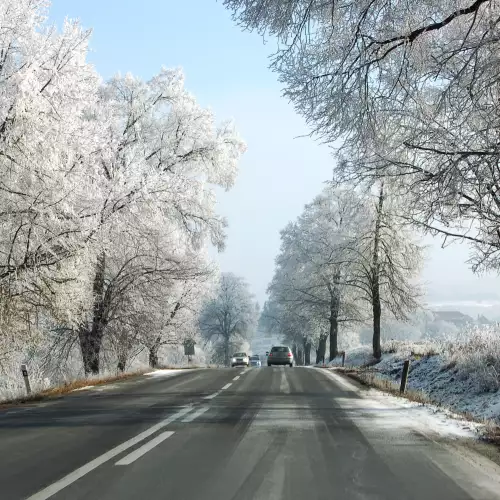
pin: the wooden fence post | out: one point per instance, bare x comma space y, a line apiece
24, 371
404, 376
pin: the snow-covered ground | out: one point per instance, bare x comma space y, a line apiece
445, 377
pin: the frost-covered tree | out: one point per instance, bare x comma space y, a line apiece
107, 198
164, 153
346, 259
384, 261
311, 269
229, 318
45, 159
412, 90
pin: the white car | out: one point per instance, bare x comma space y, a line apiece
240, 359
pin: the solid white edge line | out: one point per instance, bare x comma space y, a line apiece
226, 386
132, 457
93, 464
195, 414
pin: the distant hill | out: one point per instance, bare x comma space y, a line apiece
491, 310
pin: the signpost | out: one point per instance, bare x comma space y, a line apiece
189, 348
24, 371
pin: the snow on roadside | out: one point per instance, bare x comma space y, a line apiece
426, 419
436, 376
168, 372
84, 388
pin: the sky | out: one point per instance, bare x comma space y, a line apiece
283, 169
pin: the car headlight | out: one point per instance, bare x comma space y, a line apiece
233, 360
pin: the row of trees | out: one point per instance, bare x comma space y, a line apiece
346, 260
107, 201
411, 89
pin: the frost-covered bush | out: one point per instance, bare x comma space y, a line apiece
477, 356
348, 339
413, 348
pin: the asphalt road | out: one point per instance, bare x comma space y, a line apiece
260, 433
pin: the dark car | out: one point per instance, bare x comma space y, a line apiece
280, 355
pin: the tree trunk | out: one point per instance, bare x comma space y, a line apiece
294, 351
307, 352
377, 313
122, 361
153, 356
90, 348
300, 356
376, 305
91, 338
334, 332
334, 324
321, 351
226, 352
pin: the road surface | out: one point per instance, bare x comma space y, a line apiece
221, 434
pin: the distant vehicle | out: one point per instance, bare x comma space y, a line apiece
240, 359
255, 360
280, 355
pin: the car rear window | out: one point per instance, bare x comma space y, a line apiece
280, 349
255, 356
239, 355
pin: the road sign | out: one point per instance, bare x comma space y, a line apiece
189, 347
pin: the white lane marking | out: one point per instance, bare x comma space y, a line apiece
237, 377
196, 414
212, 396
284, 385
226, 386
90, 466
132, 457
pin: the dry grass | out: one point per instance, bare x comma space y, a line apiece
492, 432
372, 380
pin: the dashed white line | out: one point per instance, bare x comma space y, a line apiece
226, 386
212, 396
90, 466
237, 377
132, 457
195, 414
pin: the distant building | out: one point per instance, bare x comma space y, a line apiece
483, 320
455, 317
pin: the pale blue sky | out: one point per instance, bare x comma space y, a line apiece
227, 70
